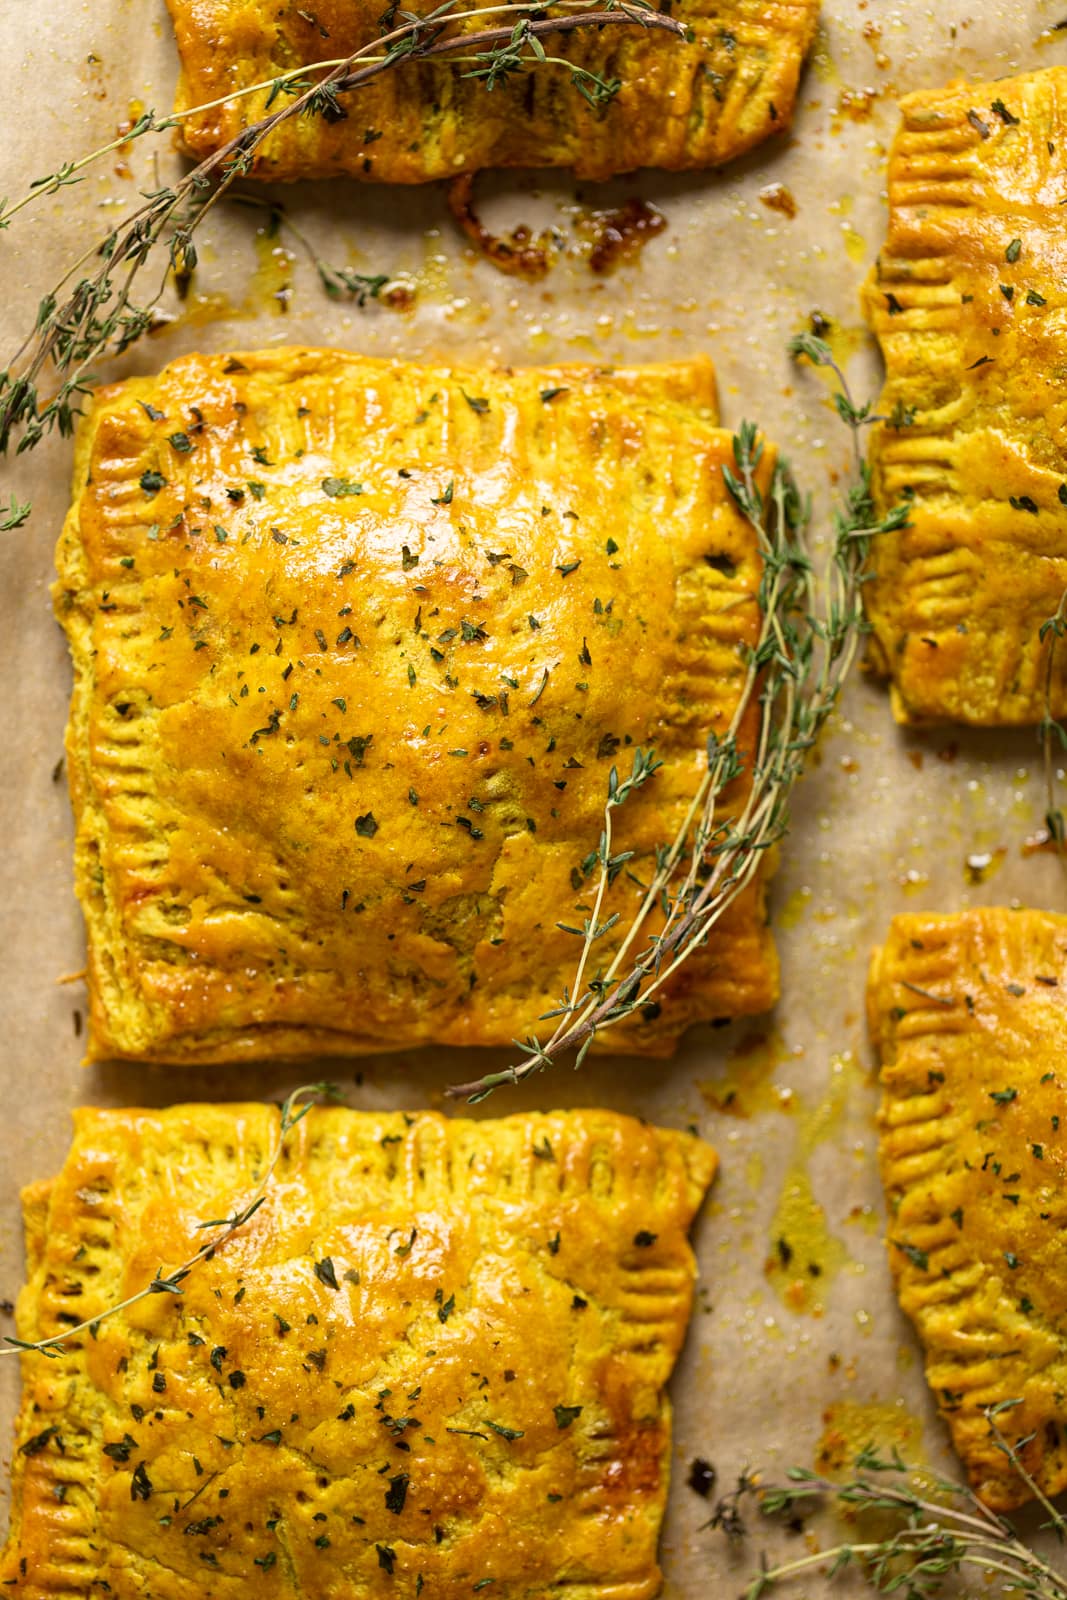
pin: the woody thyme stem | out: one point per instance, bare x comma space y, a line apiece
76, 327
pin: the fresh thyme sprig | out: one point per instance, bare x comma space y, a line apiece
84, 319
808, 638
943, 1528
164, 1282
1052, 732
340, 283
14, 515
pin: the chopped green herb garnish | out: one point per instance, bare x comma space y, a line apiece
324, 1271
505, 1433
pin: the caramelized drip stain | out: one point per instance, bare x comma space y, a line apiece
399, 296
621, 233
778, 198
519, 253
607, 237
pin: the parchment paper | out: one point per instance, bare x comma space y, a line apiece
779, 1363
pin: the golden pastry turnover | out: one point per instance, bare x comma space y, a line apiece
681, 104
969, 1013
433, 1361
969, 303
357, 645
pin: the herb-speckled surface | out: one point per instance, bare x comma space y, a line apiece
729, 86
968, 1013
783, 1363
433, 1360
967, 301
348, 655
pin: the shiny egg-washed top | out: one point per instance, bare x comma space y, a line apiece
431, 1363
969, 302
969, 1013
682, 103
357, 646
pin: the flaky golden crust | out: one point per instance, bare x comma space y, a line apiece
339, 759
682, 104
361, 1386
969, 300
969, 1013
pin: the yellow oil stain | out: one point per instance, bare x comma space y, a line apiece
821, 59
804, 1256
792, 913
271, 286
754, 1171
746, 1086
824, 1120
866, 1217
433, 279
905, 1357
583, 342
197, 310
135, 111
855, 245
852, 1426
844, 339
631, 328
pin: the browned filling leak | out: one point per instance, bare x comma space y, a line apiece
608, 236
518, 253
779, 198
399, 296
620, 234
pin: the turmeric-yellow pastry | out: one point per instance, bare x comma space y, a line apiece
969, 1013
681, 104
969, 302
433, 1361
357, 646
